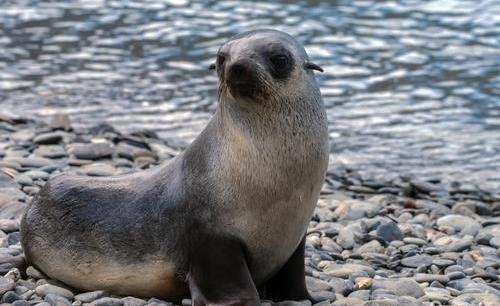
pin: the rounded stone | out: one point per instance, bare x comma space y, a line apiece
92, 150
34, 273
21, 303
56, 300
457, 222
423, 278
389, 232
132, 301
107, 301
417, 261
346, 270
88, 297
48, 138
495, 242
7, 225
400, 286
45, 289
6, 284
9, 297
414, 240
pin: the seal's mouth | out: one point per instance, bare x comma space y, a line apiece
243, 89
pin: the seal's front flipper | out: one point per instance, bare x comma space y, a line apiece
219, 275
290, 282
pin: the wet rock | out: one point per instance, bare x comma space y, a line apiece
22, 303
325, 296
144, 161
294, 303
417, 261
92, 151
6, 284
349, 302
370, 247
107, 301
458, 222
341, 286
345, 238
22, 136
455, 275
473, 299
346, 270
34, 273
425, 187
8, 226
400, 287
78, 162
7, 181
24, 180
437, 294
132, 301
389, 232
31, 190
131, 152
459, 284
324, 302
98, 169
37, 174
314, 284
360, 294
13, 238
495, 242
9, 297
483, 238
51, 151
459, 245
414, 240
88, 297
56, 300
31, 162
422, 278
48, 138
493, 230
45, 289
353, 210
163, 151
11, 209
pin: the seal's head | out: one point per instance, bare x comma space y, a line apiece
251, 64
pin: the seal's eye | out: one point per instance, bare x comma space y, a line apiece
279, 61
220, 59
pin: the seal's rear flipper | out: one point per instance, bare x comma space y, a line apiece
290, 282
219, 275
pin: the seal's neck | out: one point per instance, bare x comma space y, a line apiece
271, 141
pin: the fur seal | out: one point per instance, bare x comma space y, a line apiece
223, 221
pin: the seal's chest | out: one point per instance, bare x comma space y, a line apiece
271, 235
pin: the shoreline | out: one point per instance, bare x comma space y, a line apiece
401, 242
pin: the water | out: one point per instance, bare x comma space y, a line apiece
411, 87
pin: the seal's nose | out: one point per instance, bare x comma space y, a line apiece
238, 69
240, 72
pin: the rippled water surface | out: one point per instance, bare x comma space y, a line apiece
412, 87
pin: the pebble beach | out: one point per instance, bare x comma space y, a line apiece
399, 242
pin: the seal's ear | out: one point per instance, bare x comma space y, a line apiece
313, 66
212, 66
